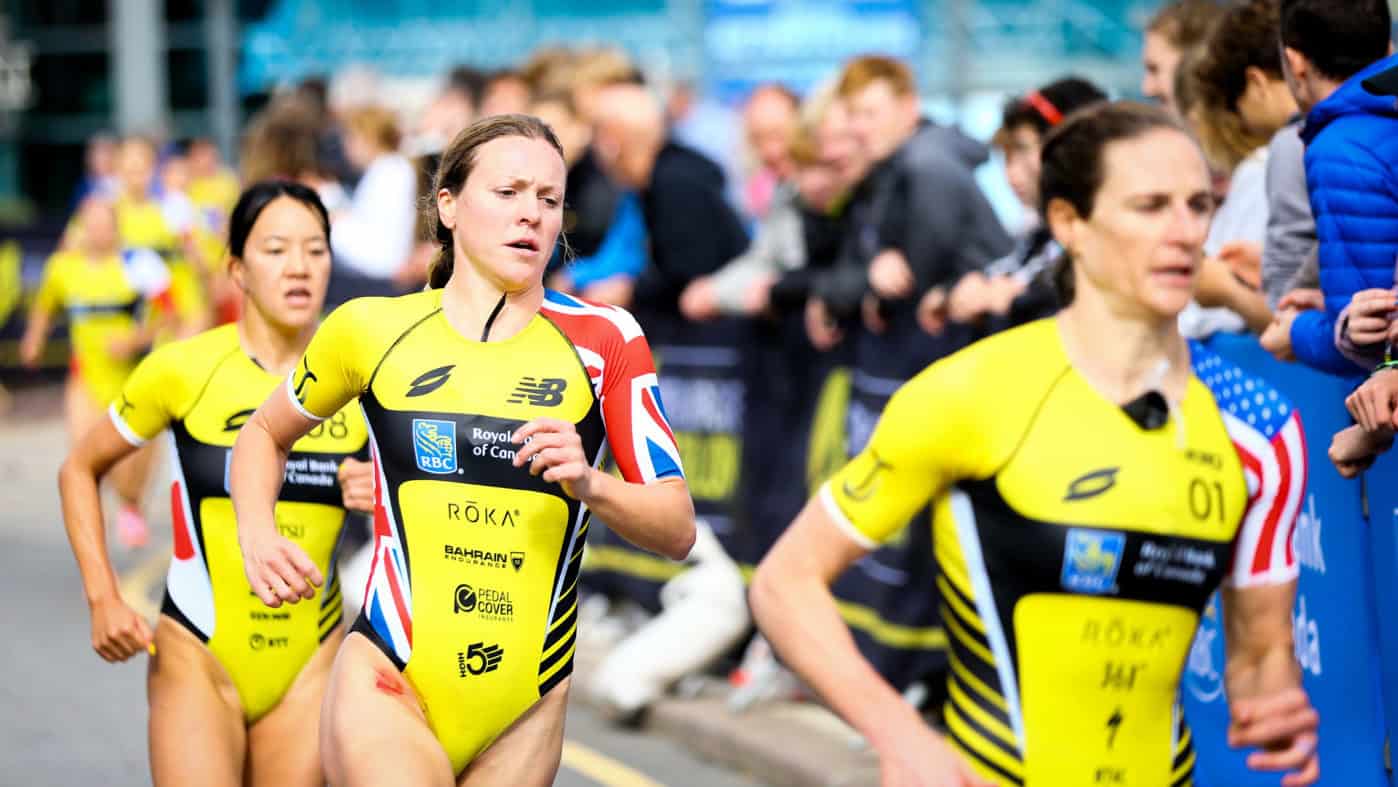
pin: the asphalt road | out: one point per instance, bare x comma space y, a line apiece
68, 718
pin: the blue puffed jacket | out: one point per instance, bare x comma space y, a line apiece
1352, 174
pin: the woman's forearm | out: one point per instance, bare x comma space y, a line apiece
1261, 654
658, 517
799, 617
82, 519
255, 478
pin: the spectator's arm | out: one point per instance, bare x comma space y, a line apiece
776, 249
1291, 234
950, 229
622, 251
689, 229
1313, 342
1366, 355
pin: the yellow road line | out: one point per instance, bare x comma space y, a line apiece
136, 583
603, 769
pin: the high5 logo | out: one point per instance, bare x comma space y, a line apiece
479, 659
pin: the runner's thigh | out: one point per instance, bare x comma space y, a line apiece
197, 734
373, 732
284, 745
528, 753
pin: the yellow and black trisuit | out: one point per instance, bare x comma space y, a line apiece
473, 589
204, 389
1077, 542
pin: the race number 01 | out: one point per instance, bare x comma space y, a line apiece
1205, 499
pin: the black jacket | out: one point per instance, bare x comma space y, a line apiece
923, 201
693, 230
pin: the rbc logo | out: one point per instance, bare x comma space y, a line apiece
434, 445
1201, 676
1090, 561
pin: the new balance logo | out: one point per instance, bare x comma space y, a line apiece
547, 392
479, 659
430, 380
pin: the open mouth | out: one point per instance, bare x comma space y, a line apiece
1181, 274
524, 244
298, 296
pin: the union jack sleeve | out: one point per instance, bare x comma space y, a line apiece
618, 361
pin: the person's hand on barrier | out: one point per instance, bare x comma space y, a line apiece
118, 631
1302, 299
1353, 450
357, 485
932, 311
699, 302
969, 299
1216, 283
1372, 405
922, 758
890, 276
870, 310
759, 294
1244, 259
615, 290
1370, 316
1276, 338
821, 328
1003, 291
1283, 726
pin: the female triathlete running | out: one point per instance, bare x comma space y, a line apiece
1095, 478
489, 401
235, 688
116, 300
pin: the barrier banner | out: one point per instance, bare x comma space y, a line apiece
1335, 619
702, 388
1381, 488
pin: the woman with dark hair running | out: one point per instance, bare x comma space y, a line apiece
490, 401
235, 688
1073, 571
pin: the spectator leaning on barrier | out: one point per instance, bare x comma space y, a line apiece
1329, 48
803, 227
1018, 287
1242, 73
692, 229
1368, 333
1223, 302
917, 221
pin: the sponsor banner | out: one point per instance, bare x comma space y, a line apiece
748, 42
1335, 619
